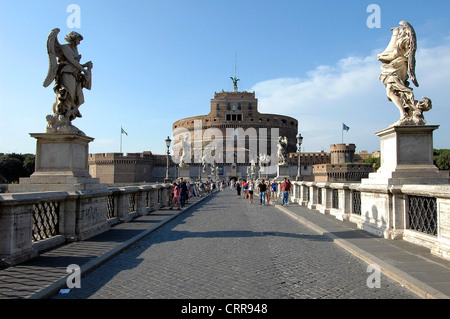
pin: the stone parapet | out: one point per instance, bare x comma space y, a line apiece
36, 221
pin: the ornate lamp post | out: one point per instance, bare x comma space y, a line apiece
299, 168
168, 141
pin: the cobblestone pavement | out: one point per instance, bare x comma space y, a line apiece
226, 248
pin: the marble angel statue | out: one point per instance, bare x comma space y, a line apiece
204, 164
186, 150
398, 65
70, 77
282, 150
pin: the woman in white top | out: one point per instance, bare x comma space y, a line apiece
250, 190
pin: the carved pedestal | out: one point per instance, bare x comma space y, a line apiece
184, 172
61, 164
283, 172
407, 157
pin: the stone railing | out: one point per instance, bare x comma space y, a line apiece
33, 222
416, 213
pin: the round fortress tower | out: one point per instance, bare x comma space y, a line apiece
342, 153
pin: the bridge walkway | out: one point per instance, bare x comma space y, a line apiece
290, 237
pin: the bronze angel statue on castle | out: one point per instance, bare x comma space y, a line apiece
70, 78
399, 64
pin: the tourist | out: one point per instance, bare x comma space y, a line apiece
238, 188
250, 190
245, 187
285, 190
268, 192
273, 190
262, 192
176, 196
183, 192
189, 191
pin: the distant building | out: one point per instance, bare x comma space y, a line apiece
307, 162
236, 110
118, 168
342, 167
361, 156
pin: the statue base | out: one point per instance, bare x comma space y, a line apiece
407, 157
283, 171
61, 164
184, 172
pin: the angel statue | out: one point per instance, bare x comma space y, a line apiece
282, 149
186, 148
252, 167
398, 64
70, 78
204, 163
235, 82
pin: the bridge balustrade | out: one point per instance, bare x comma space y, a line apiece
33, 222
417, 213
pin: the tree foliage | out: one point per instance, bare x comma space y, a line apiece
14, 166
441, 159
373, 160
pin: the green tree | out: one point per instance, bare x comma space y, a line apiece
14, 166
28, 163
441, 159
373, 160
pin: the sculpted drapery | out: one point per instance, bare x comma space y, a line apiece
398, 65
70, 77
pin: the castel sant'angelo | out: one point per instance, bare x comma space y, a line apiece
252, 133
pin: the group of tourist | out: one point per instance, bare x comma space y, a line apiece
183, 190
265, 189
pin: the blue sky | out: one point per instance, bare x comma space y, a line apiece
157, 61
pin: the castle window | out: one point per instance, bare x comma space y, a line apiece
239, 117
228, 106
250, 113
239, 106
218, 106
249, 106
228, 117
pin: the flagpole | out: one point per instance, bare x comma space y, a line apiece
121, 139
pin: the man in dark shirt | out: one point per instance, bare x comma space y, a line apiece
183, 192
285, 189
262, 187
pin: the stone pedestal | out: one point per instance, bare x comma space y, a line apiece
283, 171
407, 157
61, 164
184, 172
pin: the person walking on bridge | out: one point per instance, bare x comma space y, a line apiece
176, 196
262, 192
238, 188
285, 189
251, 187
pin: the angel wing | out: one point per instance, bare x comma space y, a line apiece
412, 52
53, 50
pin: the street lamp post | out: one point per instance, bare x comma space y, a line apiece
168, 141
299, 167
